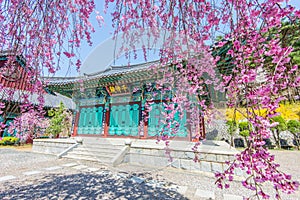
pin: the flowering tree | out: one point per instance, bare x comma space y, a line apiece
261, 69
45, 31
42, 33
28, 126
2, 123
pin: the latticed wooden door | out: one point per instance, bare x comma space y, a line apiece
157, 127
124, 119
91, 120
5, 132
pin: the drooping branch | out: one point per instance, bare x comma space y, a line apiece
44, 31
260, 65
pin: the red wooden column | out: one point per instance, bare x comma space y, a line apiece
202, 128
189, 128
106, 122
75, 130
200, 132
145, 129
144, 114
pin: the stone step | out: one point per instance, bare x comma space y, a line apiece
97, 150
88, 158
97, 141
106, 146
95, 154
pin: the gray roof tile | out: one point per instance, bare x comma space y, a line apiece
50, 99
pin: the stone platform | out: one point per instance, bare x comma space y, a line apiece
211, 155
52, 146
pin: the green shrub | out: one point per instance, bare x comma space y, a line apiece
232, 126
244, 130
281, 126
9, 141
293, 126
245, 133
60, 122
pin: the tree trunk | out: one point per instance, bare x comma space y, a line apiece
232, 141
276, 138
246, 141
296, 136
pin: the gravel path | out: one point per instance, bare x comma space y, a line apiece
13, 162
40, 176
289, 162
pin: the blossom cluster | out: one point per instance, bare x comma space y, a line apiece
261, 69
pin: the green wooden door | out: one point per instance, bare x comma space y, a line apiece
91, 120
154, 121
156, 127
5, 132
124, 120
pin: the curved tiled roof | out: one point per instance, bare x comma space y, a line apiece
51, 100
111, 71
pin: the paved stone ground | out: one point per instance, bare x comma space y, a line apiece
27, 175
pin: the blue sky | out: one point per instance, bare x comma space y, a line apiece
105, 32
100, 35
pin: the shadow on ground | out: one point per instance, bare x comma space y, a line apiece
86, 186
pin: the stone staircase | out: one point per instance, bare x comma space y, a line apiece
96, 149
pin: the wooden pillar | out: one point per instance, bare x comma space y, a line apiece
202, 128
145, 129
21, 83
189, 127
144, 114
75, 130
106, 119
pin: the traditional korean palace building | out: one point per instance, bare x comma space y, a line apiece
111, 103
15, 84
